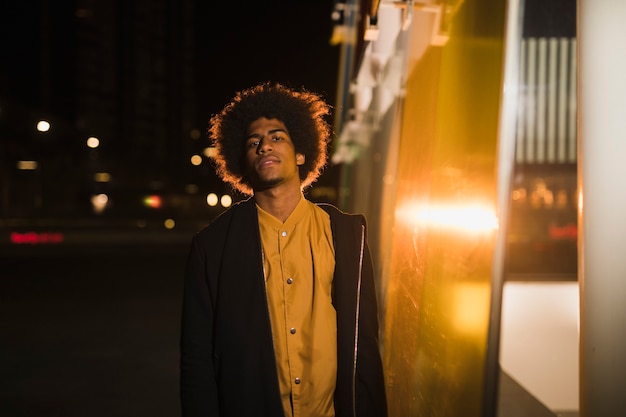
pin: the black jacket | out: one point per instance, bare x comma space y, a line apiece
228, 367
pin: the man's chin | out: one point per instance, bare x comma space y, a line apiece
264, 184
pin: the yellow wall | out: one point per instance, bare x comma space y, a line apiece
436, 305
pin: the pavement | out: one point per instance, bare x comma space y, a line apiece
91, 331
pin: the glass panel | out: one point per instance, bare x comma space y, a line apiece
439, 282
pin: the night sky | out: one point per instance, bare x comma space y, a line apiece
239, 43
242, 43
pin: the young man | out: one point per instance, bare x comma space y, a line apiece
279, 309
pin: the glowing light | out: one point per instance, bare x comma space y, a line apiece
194, 134
102, 177
196, 160
210, 152
519, 194
226, 200
43, 126
471, 307
169, 223
569, 231
191, 188
212, 199
27, 165
93, 142
580, 201
152, 201
99, 202
34, 238
541, 195
473, 218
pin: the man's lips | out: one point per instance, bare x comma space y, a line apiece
267, 161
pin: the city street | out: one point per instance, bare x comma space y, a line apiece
91, 332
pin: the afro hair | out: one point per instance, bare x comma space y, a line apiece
303, 113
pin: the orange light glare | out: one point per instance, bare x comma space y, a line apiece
474, 218
471, 307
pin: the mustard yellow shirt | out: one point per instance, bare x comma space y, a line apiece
299, 262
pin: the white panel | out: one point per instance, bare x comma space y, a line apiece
542, 64
539, 340
602, 221
552, 83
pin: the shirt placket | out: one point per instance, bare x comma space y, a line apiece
291, 321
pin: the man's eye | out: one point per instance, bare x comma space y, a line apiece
253, 144
277, 138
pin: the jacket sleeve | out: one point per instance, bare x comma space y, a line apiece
370, 384
198, 389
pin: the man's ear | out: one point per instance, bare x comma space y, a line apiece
300, 159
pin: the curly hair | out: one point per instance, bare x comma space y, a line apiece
303, 113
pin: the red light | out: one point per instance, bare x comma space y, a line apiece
34, 238
569, 231
152, 201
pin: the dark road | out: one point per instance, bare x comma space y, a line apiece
91, 333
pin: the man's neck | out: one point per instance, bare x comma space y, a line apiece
279, 202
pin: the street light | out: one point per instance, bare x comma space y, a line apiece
93, 142
43, 126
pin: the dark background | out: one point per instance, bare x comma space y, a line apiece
144, 77
90, 302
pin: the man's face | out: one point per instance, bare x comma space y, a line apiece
270, 155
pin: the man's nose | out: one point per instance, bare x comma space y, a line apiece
265, 145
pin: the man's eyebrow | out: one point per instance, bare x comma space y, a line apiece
271, 132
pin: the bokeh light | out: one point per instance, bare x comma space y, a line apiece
212, 199
196, 160
27, 165
226, 200
153, 201
43, 125
93, 142
99, 202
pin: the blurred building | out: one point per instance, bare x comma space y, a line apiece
115, 80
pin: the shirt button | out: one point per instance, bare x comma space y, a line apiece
292, 330
297, 381
283, 233
289, 280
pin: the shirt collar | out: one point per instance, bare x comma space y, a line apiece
301, 210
